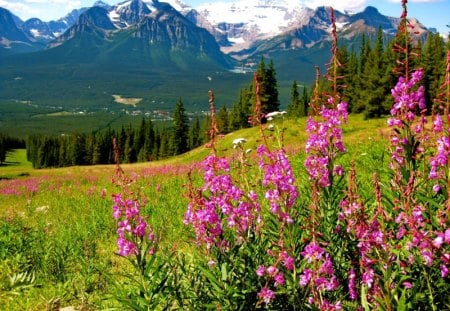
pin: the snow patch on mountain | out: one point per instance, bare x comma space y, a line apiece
247, 21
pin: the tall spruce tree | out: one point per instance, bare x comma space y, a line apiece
268, 87
433, 62
194, 134
294, 105
223, 120
373, 81
180, 139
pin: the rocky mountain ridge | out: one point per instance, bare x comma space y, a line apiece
241, 29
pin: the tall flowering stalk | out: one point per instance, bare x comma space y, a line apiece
220, 204
439, 162
324, 142
136, 241
323, 146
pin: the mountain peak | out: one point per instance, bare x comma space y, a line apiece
130, 12
101, 4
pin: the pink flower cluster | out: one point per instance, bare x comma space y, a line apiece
409, 99
440, 161
279, 178
132, 230
371, 242
220, 203
274, 273
325, 142
320, 276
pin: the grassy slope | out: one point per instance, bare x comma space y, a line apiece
71, 205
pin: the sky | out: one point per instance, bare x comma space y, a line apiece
431, 13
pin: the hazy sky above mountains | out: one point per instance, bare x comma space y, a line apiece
431, 13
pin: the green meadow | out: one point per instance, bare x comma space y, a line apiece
58, 237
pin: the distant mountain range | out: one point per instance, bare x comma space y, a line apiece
161, 37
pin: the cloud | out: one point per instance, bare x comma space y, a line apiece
416, 1
69, 3
18, 8
340, 5
44, 9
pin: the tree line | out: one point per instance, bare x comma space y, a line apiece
8, 143
369, 72
145, 142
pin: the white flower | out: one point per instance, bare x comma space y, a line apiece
239, 141
272, 114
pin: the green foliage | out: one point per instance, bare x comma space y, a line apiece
180, 142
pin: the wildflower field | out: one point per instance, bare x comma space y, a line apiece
328, 212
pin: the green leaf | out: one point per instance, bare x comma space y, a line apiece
211, 278
401, 306
224, 272
364, 302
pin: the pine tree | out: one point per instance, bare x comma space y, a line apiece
433, 62
351, 80
271, 89
268, 88
373, 80
294, 106
179, 141
194, 134
304, 104
223, 120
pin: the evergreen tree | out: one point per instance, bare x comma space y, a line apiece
149, 140
351, 80
271, 89
268, 88
304, 104
373, 80
180, 142
222, 120
294, 106
130, 154
242, 110
204, 129
194, 134
433, 62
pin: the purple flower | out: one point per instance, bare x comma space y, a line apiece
444, 271
279, 279
324, 143
351, 284
367, 277
288, 261
260, 271
312, 251
266, 295
305, 277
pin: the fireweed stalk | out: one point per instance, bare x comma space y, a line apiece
394, 242
135, 236
220, 204
226, 212
280, 193
323, 146
439, 162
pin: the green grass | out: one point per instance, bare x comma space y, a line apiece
16, 165
65, 235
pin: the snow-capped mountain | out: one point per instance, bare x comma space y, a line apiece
245, 22
240, 25
241, 28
